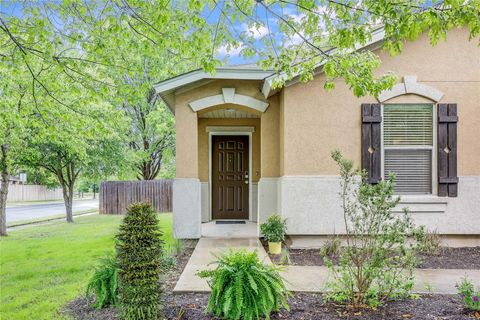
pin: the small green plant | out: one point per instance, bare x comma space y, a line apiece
428, 287
177, 247
471, 297
103, 285
429, 242
274, 228
244, 288
331, 247
285, 257
139, 258
168, 261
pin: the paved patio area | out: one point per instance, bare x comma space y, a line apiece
302, 278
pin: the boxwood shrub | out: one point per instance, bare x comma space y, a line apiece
139, 258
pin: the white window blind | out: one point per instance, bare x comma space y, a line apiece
407, 125
408, 144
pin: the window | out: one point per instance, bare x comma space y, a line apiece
408, 139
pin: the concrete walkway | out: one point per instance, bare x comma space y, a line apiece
204, 255
314, 278
303, 278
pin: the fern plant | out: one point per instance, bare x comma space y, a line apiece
244, 288
103, 285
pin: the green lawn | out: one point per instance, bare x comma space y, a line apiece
44, 267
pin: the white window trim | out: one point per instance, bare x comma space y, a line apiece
433, 148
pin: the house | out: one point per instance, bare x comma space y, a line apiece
245, 150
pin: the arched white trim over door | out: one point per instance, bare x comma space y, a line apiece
411, 86
228, 96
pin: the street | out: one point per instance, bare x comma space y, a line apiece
40, 210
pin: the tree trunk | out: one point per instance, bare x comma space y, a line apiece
4, 191
68, 200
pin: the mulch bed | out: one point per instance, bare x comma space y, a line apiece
79, 308
453, 258
307, 306
448, 258
303, 306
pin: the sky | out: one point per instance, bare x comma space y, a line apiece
230, 56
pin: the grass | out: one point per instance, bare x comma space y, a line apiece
44, 267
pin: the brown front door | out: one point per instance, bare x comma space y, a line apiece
230, 177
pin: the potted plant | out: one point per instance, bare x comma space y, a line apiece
273, 231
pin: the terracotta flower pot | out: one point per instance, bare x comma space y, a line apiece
275, 247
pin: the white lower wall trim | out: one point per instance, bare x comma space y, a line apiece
187, 210
267, 198
422, 204
205, 201
317, 241
254, 201
311, 205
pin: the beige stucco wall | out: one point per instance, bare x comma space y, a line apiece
192, 138
270, 136
281, 132
186, 140
187, 155
315, 121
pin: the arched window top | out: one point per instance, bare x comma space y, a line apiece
411, 86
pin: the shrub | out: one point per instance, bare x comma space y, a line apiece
177, 247
244, 288
103, 285
274, 228
285, 257
429, 242
377, 262
471, 298
139, 257
169, 261
331, 247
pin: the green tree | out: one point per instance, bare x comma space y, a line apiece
15, 116
152, 134
67, 158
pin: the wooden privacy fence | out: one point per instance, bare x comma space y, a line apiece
32, 192
115, 196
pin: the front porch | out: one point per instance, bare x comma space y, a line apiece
237, 229
227, 151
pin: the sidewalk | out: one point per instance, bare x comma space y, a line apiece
303, 278
204, 254
442, 281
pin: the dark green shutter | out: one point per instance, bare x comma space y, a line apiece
372, 141
447, 150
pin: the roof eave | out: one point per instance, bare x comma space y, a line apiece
166, 89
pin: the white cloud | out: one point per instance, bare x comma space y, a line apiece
294, 40
257, 33
230, 50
